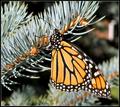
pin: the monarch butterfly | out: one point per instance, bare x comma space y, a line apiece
73, 70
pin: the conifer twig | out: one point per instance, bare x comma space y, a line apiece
30, 28
13, 16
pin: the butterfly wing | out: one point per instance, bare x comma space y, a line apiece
98, 85
73, 70
69, 69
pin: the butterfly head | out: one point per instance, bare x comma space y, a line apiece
55, 39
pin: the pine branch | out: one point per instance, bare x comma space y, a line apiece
21, 98
13, 16
27, 35
110, 66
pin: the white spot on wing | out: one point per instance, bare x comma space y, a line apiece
89, 75
60, 87
60, 46
67, 90
88, 81
76, 87
86, 67
68, 87
63, 89
96, 73
85, 54
96, 90
79, 56
90, 65
86, 59
89, 70
82, 87
90, 86
106, 86
91, 61
63, 86
73, 48
104, 90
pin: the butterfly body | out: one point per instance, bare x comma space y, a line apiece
73, 70
60, 47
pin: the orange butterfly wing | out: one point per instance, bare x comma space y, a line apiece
68, 69
98, 85
72, 70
